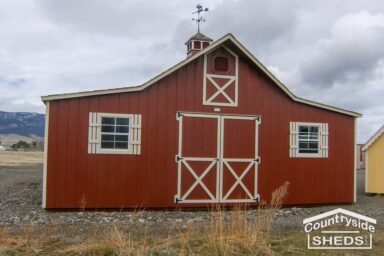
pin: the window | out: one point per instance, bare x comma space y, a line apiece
197, 45
114, 133
308, 140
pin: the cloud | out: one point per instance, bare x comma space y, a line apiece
128, 19
256, 23
351, 53
331, 55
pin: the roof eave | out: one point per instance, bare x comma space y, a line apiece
211, 47
373, 139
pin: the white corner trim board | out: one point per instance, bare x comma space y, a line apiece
366, 172
45, 167
229, 38
354, 162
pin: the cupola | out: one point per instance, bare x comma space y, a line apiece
197, 43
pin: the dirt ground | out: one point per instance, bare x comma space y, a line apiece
21, 213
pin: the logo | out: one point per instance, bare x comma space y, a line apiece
339, 229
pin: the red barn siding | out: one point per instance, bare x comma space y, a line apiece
75, 177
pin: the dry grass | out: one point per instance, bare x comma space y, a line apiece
21, 159
228, 232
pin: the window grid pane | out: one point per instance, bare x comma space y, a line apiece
114, 133
308, 139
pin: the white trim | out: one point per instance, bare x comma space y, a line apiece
179, 154
366, 172
220, 90
220, 136
354, 163
211, 47
198, 179
94, 134
182, 161
93, 127
216, 115
324, 145
193, 45
251, 166
100, 150
232, 80
204, 78
372, 140
239, 179
195, 201
339, 210
45, 167
295, 139
219, 161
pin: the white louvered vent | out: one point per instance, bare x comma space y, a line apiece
93, 133
136, 135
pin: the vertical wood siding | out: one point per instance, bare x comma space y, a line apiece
77, 179
375, 170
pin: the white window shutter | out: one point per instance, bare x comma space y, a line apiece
136, 135
324, 140
93, 132
293, 149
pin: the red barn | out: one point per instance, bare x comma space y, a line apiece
217, 127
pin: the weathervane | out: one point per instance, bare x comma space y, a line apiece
199, 19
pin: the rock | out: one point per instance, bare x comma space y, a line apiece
76, 240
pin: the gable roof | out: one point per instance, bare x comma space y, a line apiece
227, 39
336, 211
372, 140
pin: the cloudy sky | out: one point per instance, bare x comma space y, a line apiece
329, 51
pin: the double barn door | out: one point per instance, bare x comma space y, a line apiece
217, 158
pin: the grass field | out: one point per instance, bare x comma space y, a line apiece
235, 237
21, 159
226, 233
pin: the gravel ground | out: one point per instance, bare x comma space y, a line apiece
20, 200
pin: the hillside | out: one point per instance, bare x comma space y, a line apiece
16, 126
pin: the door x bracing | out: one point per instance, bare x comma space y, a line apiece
217, 158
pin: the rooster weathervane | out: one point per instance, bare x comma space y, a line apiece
199, 18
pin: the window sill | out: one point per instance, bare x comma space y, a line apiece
114, 151
309, 156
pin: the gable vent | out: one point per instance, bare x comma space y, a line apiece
221, 64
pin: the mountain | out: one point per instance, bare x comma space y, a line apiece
22, 125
